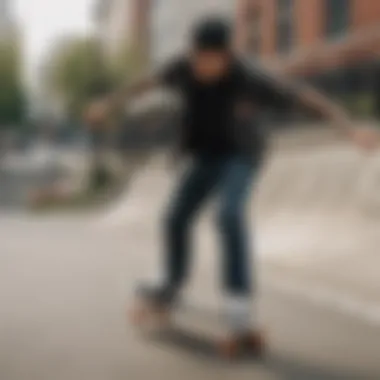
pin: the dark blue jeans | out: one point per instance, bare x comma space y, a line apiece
231, 179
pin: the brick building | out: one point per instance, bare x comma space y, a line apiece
334, 43
122, 24
171, 20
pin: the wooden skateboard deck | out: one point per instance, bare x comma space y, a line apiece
200, 332
187, 340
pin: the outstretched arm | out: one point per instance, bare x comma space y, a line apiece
137, 87
285, 91
167, 76
328, 109
331, 111
99, 110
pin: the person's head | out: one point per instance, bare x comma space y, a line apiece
211, 49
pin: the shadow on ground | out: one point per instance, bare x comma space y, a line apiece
286, 368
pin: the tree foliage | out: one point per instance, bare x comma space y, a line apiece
78, 73
12, 95
126, 64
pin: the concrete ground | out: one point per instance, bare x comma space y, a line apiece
65, 285
66, 282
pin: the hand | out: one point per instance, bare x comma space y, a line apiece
366, 138
96, 112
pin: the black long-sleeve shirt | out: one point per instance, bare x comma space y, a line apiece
214, 118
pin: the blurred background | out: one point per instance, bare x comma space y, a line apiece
80, 204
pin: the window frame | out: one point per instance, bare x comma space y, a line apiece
331, 30
285, 19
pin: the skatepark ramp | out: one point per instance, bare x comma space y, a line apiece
335, 181
309, 203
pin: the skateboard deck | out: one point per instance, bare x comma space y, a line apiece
198, 331
187, 340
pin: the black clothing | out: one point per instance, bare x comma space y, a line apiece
212, 34
211, 119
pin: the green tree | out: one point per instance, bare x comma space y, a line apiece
128, 63
78, 73
12, 95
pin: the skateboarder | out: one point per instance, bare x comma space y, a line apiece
223, 98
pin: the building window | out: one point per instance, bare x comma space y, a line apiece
337, 17
254, 31
285, 25
285, 8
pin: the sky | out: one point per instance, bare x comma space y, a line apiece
43, 21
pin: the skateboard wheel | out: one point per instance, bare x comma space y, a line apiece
144, 313
255, 343
162, 317
229, 349
139, 316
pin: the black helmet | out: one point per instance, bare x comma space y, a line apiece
212, 33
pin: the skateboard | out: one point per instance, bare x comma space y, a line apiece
167, 326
